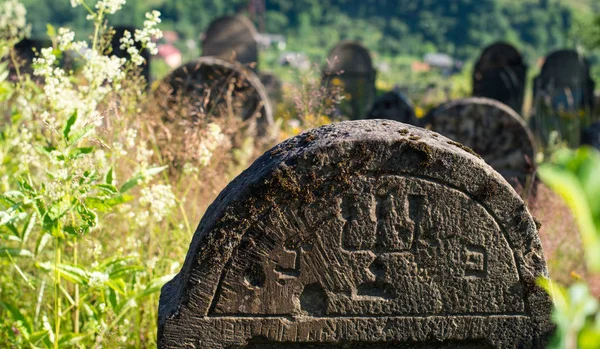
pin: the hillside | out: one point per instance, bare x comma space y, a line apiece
389, 27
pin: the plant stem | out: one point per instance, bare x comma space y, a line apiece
76, 326
57, 310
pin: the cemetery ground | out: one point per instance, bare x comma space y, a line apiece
104, 182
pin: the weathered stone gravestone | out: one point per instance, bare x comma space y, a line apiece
350, 66
394, 105
115, 45
219, 88
362, 234
493, 130
565, 84
500, 74
232, 38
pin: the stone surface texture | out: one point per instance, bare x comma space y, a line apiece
492, 130
361, 234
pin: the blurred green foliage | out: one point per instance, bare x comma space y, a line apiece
575, 175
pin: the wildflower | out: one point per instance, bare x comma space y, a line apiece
97, 278
13, 24
160, 198
109, 6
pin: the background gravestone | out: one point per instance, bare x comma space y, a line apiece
500, 74
219, 87
493, 130
565, 82
394, 105
232, 38
361, 234
350, 65
116, 50
563, 97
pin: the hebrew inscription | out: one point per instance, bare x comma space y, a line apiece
347, 238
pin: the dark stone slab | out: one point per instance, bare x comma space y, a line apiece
216, 88
394, 105
231, 38
350, 66
362, 234
492, 130
501, 74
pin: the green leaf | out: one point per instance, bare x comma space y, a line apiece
107, 188
117, 285
17, 315
6, 252
70, 122
69, 272
131, 183
109, 177
42, 241
28, 228
154, 286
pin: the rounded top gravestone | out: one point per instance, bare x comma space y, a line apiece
565, 80
231, 38
500, 74
219, 87
349, 65
493, 130
361, 234
394, 105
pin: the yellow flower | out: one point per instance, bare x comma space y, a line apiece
419, 112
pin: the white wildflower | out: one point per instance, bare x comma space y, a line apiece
130, 136
160, 198
110, 6
97, 278
13, 23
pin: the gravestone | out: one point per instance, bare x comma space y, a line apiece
218, 87
591, 135
115, 45
232, 38
394, 105
350, 67
361, 234
501, 74
565, 82
493, 130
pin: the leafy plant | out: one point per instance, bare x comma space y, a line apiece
575, 175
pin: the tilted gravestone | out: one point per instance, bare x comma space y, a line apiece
350, 66
231, 38
115, 45
394, 105
361, 234
491, 129
501, 74
221, 88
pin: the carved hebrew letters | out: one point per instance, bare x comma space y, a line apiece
393, 255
